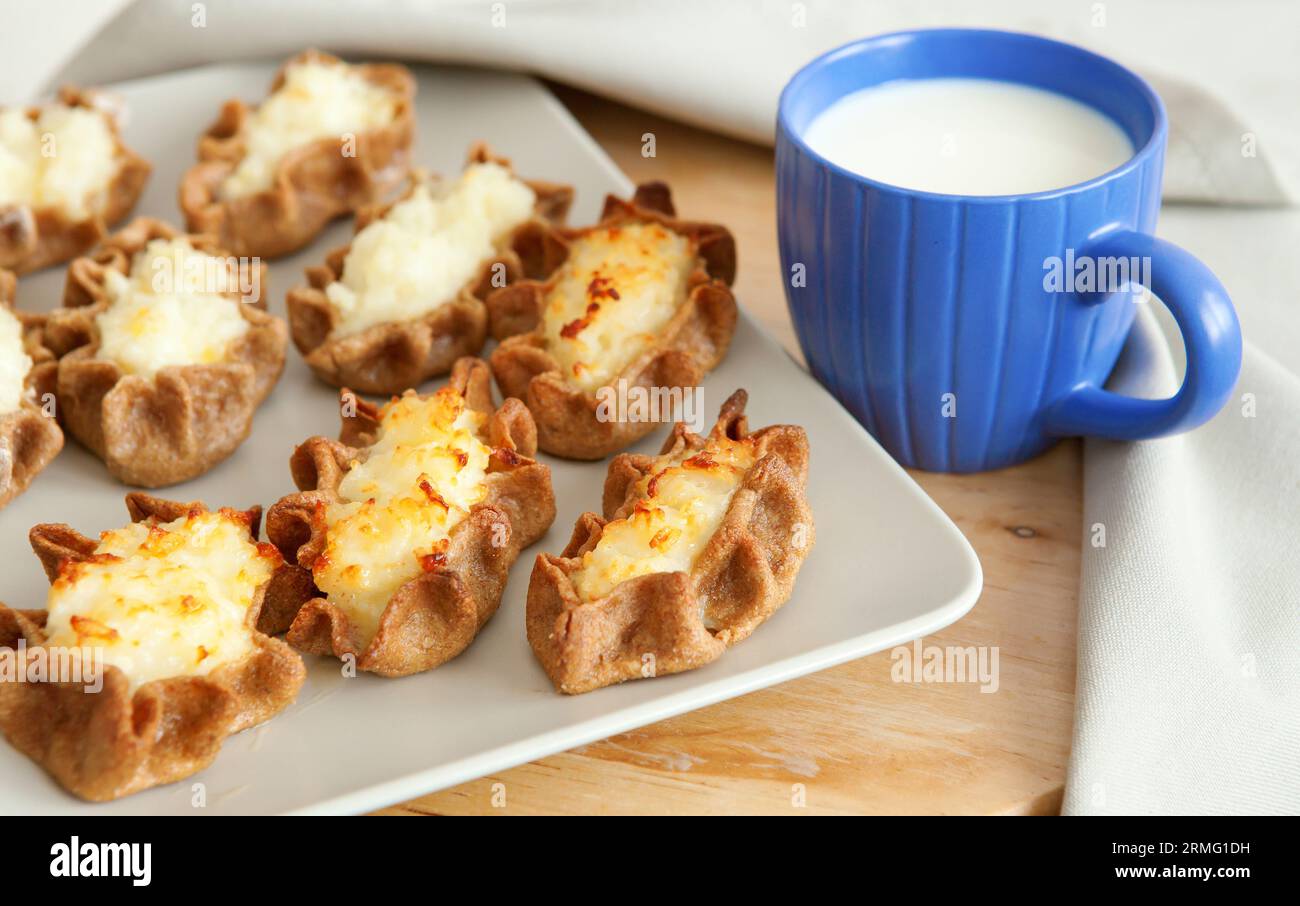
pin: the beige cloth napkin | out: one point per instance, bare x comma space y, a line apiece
1188, 690
719, 64
1188, 697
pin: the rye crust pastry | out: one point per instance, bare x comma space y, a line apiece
119, 741
29, 439
660, 622
434, 616
312, 184
33, 237
179, 422
391, 356
686, 347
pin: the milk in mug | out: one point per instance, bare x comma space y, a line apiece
960, 136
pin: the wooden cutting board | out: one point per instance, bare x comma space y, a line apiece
849, 739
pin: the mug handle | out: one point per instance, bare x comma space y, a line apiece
1211, 337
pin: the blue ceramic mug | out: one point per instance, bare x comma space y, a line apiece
927, 314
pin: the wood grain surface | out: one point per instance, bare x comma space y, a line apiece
848, 739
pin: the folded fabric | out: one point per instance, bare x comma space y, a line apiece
1188, 694
719, 65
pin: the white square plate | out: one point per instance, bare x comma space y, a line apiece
888, 565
